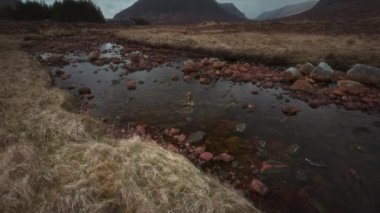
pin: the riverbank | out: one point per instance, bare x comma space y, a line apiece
54, 159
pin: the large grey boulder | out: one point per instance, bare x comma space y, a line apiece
295, 72
364, 74
322, 72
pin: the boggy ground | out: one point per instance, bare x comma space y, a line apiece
55, 160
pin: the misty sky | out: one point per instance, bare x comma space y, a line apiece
252, 8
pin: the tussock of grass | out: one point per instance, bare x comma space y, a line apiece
52, 160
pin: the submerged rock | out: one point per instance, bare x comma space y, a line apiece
196, 137
131, 85
322, 72
84, 91
259, 187
206, 156
290, 110
364, 74
274, 167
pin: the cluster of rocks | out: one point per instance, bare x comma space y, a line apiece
356, 89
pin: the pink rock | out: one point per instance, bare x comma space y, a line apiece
189, 95
140, 129
224, 157
199, 150
290, 110
131, 85
206, 156
187, 78
175, 78
259, 187
173, 131
180, 138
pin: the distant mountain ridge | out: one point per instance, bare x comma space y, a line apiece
288, 10
342, 10
178, 11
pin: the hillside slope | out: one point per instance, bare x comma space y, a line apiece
287, 10
342, 10
232, 9
177, 12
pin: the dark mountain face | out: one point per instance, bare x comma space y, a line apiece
11, 3
287, 11
343, 9
232, 9
177, 11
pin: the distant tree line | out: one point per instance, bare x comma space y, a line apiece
62, 11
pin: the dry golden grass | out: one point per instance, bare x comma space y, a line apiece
341, 51
52, 160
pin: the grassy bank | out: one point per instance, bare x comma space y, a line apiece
54, 160
279, 48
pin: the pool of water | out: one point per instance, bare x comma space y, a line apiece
333, 154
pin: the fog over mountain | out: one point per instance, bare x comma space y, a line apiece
252, 8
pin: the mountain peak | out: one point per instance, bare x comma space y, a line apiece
175, 11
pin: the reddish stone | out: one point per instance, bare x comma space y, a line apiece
131, 85
65, 76
175, 78
314, 103
338, 92
268, 84
173, 131
302, 85
180, 138
187, 78
224, 157
199, 150
204, 81
290, 110
140, 129
84, 91
259, 187
206, 156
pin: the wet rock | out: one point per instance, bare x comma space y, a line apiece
364, 74
135, 57
290, 110
189, 95
314, 103
240, 127
90, 97
131, 85
94, 55
301, 175
259, 187
140, 129
116, 60
196, 137
224, 157
274, 167
199, 150
306, 69
65, 77
187, 78
56, 59
59, 72
84, 91
352, 87
174, 78
180, 138
204, 81
295, 72
302, 85
255, 92
206, 156
218, 64
315, 163
224, 175
322, 72
190, 66
293, 149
